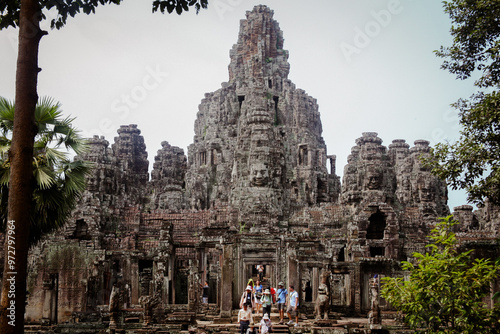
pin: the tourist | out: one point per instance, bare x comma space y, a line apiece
257, 289
251, 329
273, 295
260, 269
251, 283
281, 300
267, 302
244, 318
293, 306
205, 293
265, 325
247, 298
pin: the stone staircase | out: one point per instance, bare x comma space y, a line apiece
281, 329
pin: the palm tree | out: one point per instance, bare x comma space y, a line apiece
58, 181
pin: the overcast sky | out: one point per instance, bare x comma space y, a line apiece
369, 64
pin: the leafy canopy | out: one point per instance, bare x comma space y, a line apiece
446, 288
476, 32
472, 163
58, 180
9, 9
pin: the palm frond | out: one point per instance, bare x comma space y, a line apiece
59, 181
6, 115
47, 113
5, 144
75, 174
54, 155
44, 176
4, 173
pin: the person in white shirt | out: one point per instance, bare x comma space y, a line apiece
245, 318
293, 306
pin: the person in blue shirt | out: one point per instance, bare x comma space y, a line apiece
281, 300
293, 306
257, 290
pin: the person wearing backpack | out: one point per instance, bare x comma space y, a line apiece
267, 302
281, 300
248, 298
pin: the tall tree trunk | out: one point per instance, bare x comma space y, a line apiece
13, 299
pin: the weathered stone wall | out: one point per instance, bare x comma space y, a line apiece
258, 144
254, 189
168, 178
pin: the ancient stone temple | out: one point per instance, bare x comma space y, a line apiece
253, 189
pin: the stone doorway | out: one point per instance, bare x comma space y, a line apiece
340, 291
269, 274
181, 287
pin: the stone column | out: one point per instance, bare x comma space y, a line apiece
333, 160
172, 277
315, 283
226, 291
356, 288
134, 281
293, 277
47, 300
193, 289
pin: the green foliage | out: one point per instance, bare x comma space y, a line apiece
58, 180
179, 5
205, 131
242, 227
10, 9
472, 162
476, 40
445, 289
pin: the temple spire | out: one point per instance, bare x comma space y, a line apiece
258, 55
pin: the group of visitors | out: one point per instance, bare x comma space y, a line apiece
254, 298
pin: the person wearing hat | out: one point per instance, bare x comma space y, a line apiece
281, 300
252, 329
247, 298
265, 325
266, 302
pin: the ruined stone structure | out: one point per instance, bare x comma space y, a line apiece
253, 189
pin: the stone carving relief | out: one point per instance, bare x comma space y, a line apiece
259, 174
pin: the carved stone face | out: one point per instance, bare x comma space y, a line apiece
371, 152
425, 193
259, 115
373, 180
259, 174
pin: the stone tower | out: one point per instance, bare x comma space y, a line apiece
255, 191
258, 145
